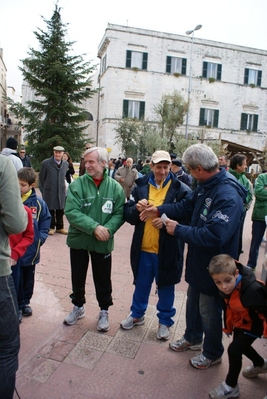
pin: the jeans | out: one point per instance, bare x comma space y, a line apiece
9, 337
147, 272
101, 268
204, 316
258, 229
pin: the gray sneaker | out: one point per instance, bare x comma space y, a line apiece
251, 371
201, 362
75, 314
130, 322
163, 332
103, 324
182, 345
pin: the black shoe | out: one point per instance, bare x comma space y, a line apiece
27, 311
20, 315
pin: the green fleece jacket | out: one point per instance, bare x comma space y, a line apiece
88, 206
13, 217
241, 177
260, 206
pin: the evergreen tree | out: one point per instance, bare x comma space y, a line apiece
61, 83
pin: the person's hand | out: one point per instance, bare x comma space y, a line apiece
157, 223
12, 262
101, 233
150, 212
121, 179
141, 205
170, 226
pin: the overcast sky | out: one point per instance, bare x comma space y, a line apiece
240, 22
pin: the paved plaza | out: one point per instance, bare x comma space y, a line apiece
77, 362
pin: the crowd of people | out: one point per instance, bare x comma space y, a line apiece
199, 200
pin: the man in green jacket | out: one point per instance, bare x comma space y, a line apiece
258, 219
94, 209
238, 165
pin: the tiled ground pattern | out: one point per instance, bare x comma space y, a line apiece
77, 362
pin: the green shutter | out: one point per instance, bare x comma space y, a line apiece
216, 118
184, 60
255, 123
168, 64
128, 58
144, 66
219, 71
202, 117
259, 78
246, 77
125, 108
142, 110
244, 121
205, 69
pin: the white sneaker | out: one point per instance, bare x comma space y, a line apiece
75, 314
103, 324
163, 332
224, 391
251, 371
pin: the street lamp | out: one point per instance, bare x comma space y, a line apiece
190, 32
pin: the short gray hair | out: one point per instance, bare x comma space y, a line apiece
101, 152
200, 154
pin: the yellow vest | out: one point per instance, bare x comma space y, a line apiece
156, 197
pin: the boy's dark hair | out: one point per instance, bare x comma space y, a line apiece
222, 264
237, 160
27, 174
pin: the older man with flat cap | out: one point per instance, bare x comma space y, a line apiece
52, 180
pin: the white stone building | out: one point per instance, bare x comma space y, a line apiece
138, 66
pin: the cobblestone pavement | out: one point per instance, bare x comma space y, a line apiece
77, 362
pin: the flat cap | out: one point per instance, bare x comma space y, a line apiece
59, 148
177, 162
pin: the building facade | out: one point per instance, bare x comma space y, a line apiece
137, 67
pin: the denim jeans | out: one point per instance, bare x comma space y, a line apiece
147, 272
9, 337
258, 229
204, 316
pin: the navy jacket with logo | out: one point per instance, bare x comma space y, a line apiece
215, 208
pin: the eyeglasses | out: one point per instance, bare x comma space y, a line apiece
22, 152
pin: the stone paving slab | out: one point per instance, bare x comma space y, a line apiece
78, 362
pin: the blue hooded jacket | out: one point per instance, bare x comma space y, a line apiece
215, 208
41, 223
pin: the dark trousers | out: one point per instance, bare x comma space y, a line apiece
9, 337
101, 268
26, 285
56, 218
241, 345
258, 229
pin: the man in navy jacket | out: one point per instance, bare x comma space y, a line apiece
215, 208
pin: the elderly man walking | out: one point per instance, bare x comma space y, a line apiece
52, 180
215, 208
126, 176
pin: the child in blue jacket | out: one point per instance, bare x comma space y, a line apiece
41, 222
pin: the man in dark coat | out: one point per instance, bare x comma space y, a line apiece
24, 158
52, 180
154, 253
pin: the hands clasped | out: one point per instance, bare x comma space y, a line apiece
101, 233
